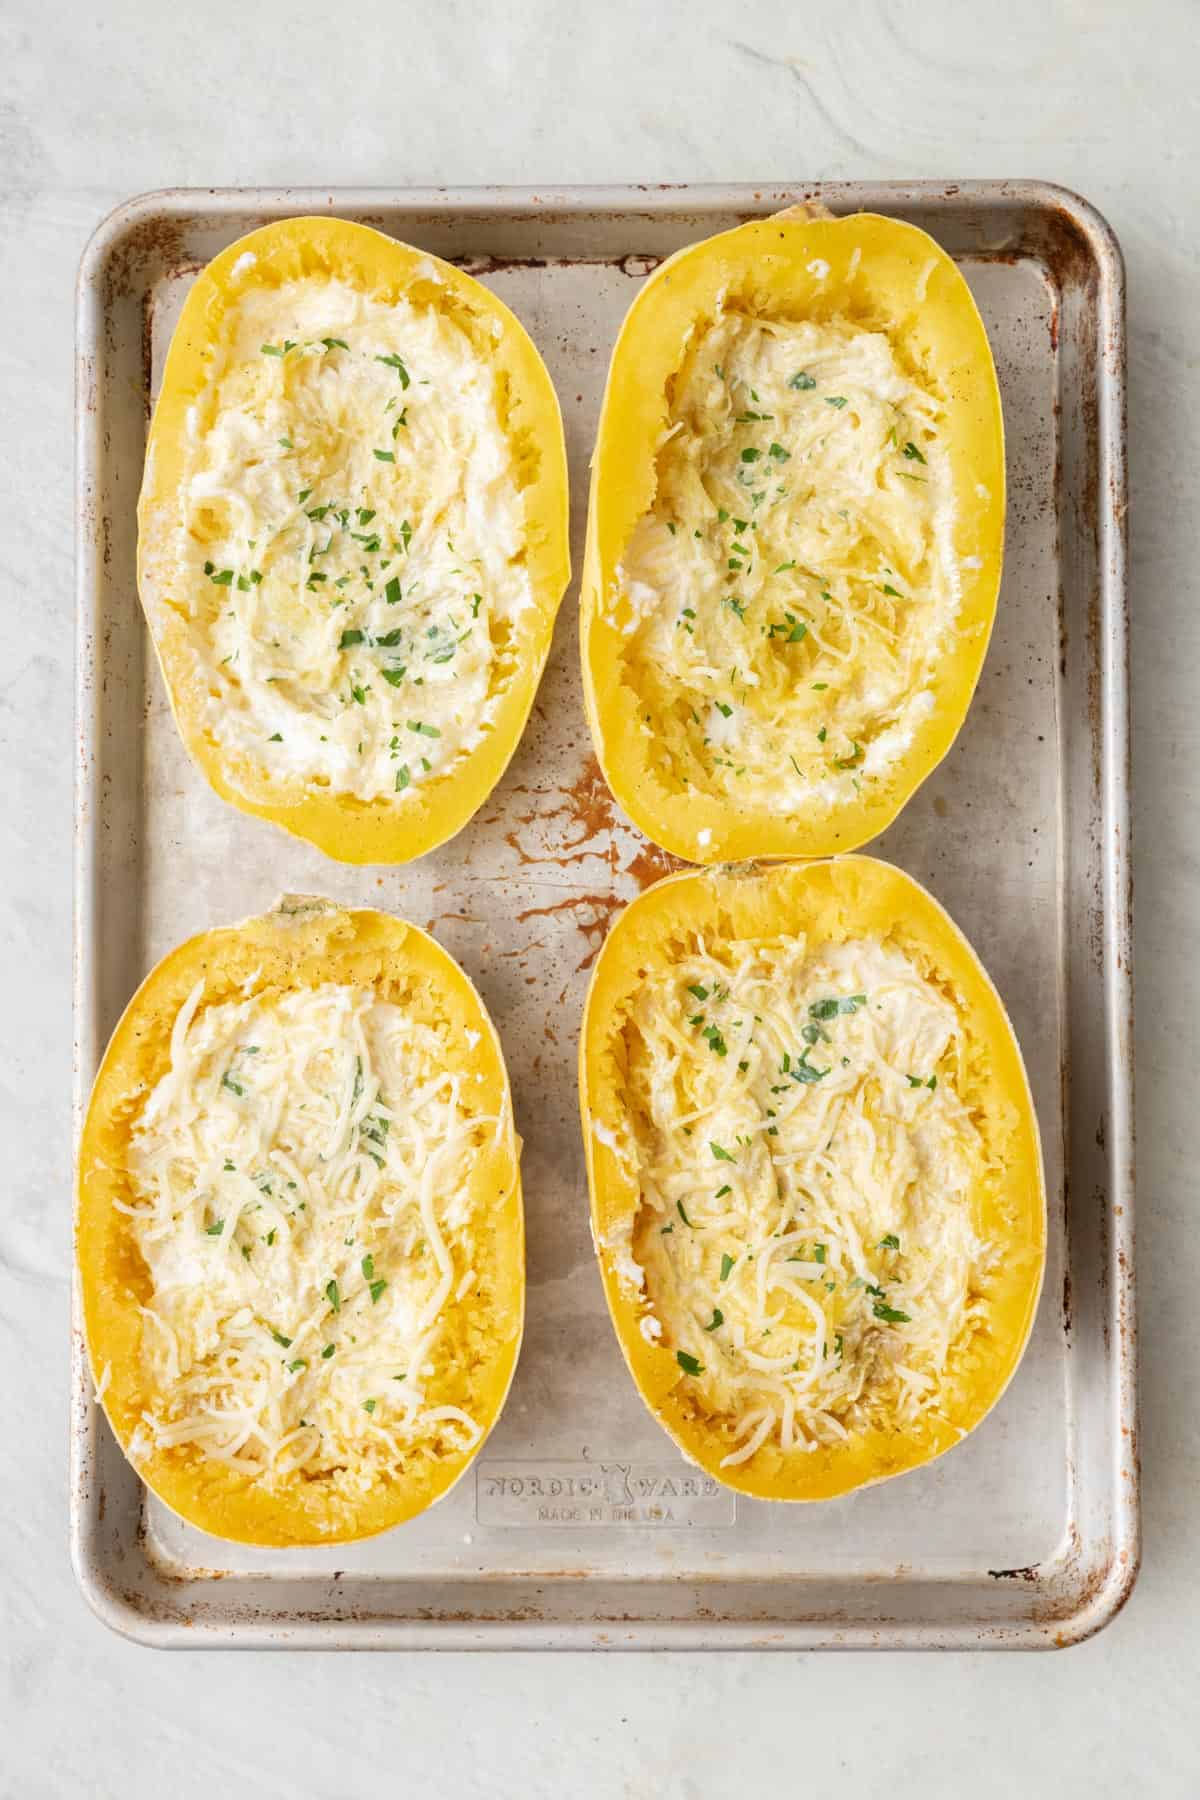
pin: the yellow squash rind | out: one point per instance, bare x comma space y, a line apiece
304, 943
832, 900
343, 826
877, 272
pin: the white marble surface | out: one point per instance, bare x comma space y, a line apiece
97, 103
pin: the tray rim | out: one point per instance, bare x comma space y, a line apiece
1100, 1602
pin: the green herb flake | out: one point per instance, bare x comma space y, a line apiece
376, 1289
838, 400
726, 1266
720, 1154
348, 638
802, 381
369, 1406
395, 362
335, 343
333, 1295
805, 1072
913, 454
688, 1364
700, 993
383, 456
286, 1342
890, 1242
300, 1363
890, 1314
718, 1318
830, 1009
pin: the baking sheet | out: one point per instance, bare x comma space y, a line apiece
579, 1524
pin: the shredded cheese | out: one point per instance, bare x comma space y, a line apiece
354, 532
793, 587
300, 1199
804, 1246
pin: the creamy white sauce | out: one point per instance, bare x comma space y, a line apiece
299, 1197
354, 534
795, 584
806, 1164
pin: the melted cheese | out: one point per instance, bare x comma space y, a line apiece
354, 532
793, 587
299, 1178
804, 1244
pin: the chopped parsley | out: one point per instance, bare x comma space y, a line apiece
718, 1318
913, 454
830, 1009
333, 1295
720, 1153
688, 1364
395, 362
383, 456
802, 380
726, 1266
286, 1342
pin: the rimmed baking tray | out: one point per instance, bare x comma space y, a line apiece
580, 1526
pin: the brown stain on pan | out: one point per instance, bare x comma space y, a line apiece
586, 809
593, 914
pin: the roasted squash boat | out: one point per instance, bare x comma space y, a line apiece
299, 1227
353, 535
817, 1192
794, 536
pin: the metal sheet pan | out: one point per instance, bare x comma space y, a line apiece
580, 1526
